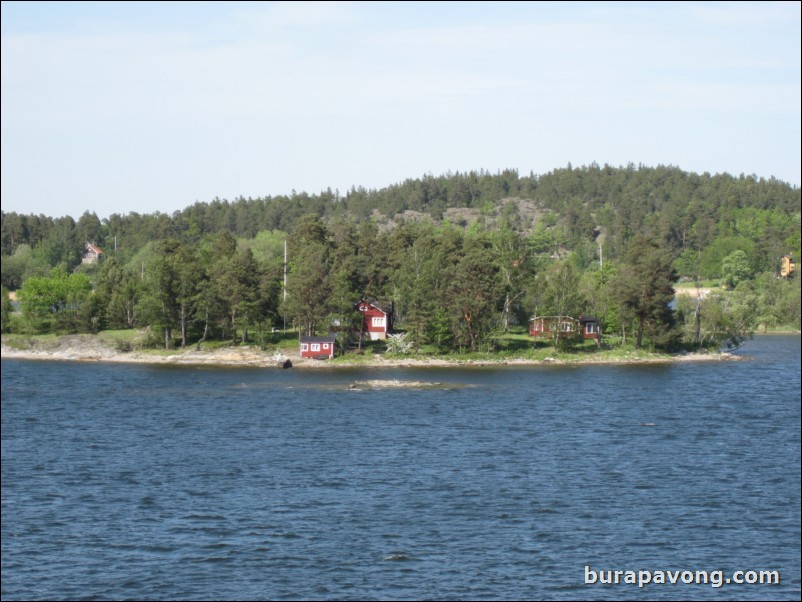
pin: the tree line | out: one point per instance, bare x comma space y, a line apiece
698, 218
599, 240
452, 288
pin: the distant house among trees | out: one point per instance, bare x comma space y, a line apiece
787, 266
317, 347
92, 254
377, 319
564, 326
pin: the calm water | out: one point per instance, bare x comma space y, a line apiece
134, 482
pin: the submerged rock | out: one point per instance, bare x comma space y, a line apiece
402, 384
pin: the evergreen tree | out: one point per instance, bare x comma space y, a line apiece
162, 279
645, 284
309, 285
474, 295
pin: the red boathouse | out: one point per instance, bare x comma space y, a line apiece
319, 348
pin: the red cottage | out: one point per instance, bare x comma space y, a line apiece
377, 320
545, 326
93, 254
319, 348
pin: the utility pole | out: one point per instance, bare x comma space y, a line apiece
285, 284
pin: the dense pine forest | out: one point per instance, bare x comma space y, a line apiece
462, 257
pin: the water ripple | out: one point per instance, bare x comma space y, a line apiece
218, 484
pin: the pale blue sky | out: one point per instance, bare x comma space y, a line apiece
127, 106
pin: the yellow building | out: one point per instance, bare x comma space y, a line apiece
787, 266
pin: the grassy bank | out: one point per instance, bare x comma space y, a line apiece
131, 346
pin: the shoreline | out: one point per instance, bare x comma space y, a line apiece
81, 349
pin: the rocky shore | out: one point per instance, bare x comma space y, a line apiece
89, 348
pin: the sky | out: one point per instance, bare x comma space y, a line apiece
121, 107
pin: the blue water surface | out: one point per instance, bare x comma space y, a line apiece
155, 483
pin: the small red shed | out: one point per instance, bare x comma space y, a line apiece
377, 319
319, 348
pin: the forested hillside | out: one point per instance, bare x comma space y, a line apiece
461, 255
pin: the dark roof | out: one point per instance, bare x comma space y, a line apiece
563, 317
383, 307
580, 319
317, 339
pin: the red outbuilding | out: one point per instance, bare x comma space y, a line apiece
377, 320
546, 326
319, 348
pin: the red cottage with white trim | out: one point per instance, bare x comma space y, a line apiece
377, 320
319, 348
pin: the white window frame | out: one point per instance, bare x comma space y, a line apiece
378, 322
304, 347
315, 347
